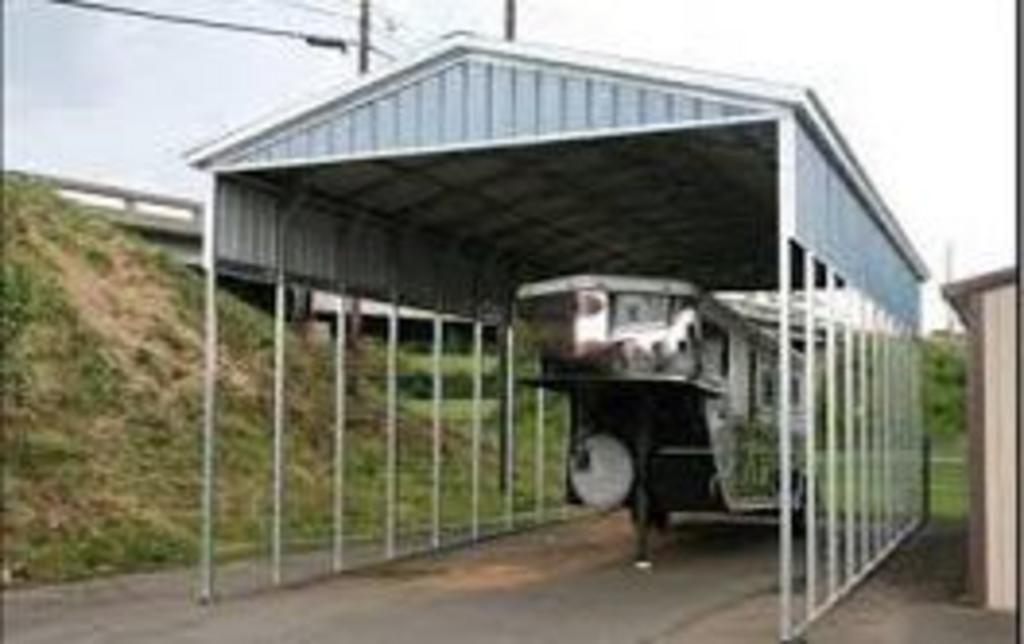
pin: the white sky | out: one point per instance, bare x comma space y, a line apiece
923, 89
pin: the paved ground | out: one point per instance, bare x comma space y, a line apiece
570, 583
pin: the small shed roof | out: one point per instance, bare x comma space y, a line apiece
960, 293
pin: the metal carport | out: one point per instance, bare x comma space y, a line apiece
446, 182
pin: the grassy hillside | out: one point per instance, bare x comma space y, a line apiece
102, 362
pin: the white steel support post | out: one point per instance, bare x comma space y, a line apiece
863, 427
850, 451
883, 392
901, 464
786, 131
830, 439
340, 420
207, 501
509, 421
899, 469
391, 472
276, 535
887, 429
908, 438
438, 397
913, 444
810, 441
478, 334
566, 455
878, 496
923, 457
539, 457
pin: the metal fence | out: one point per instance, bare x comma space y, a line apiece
853, 477
377, 449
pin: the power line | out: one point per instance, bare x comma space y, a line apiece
315, 40
321, 10
310, 7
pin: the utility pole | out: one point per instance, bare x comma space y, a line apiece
363, 68
364, 36
510, 20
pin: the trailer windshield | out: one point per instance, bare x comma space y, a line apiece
632, 310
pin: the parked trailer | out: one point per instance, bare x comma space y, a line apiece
672, 395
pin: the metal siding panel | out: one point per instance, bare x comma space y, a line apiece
685, 107
835, 225
627, 106
655, 107
502, 102
322, 140
602, 105
454, 86
712, 110
477, 101
363, 129
340, 136
550, 103
245, 225
430, 111
408, 118
387, 123
526, 94
575, 104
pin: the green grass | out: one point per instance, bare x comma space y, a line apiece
102, 372
949, 478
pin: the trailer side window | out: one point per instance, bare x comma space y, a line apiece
767, 388
639, 309
716, 349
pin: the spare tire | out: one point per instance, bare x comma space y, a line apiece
601, 471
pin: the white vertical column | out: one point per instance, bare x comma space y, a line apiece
278, 466
864, 455
904, 402
340, 420
849, 438
539, 456
887, 429
810, 441
878, 430
830, 439
786, 225
510, 422
438, 396
207, 500
566, 455
391, 472
899, 402
476, 413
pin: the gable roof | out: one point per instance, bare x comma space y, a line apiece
960, 293
730, 93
